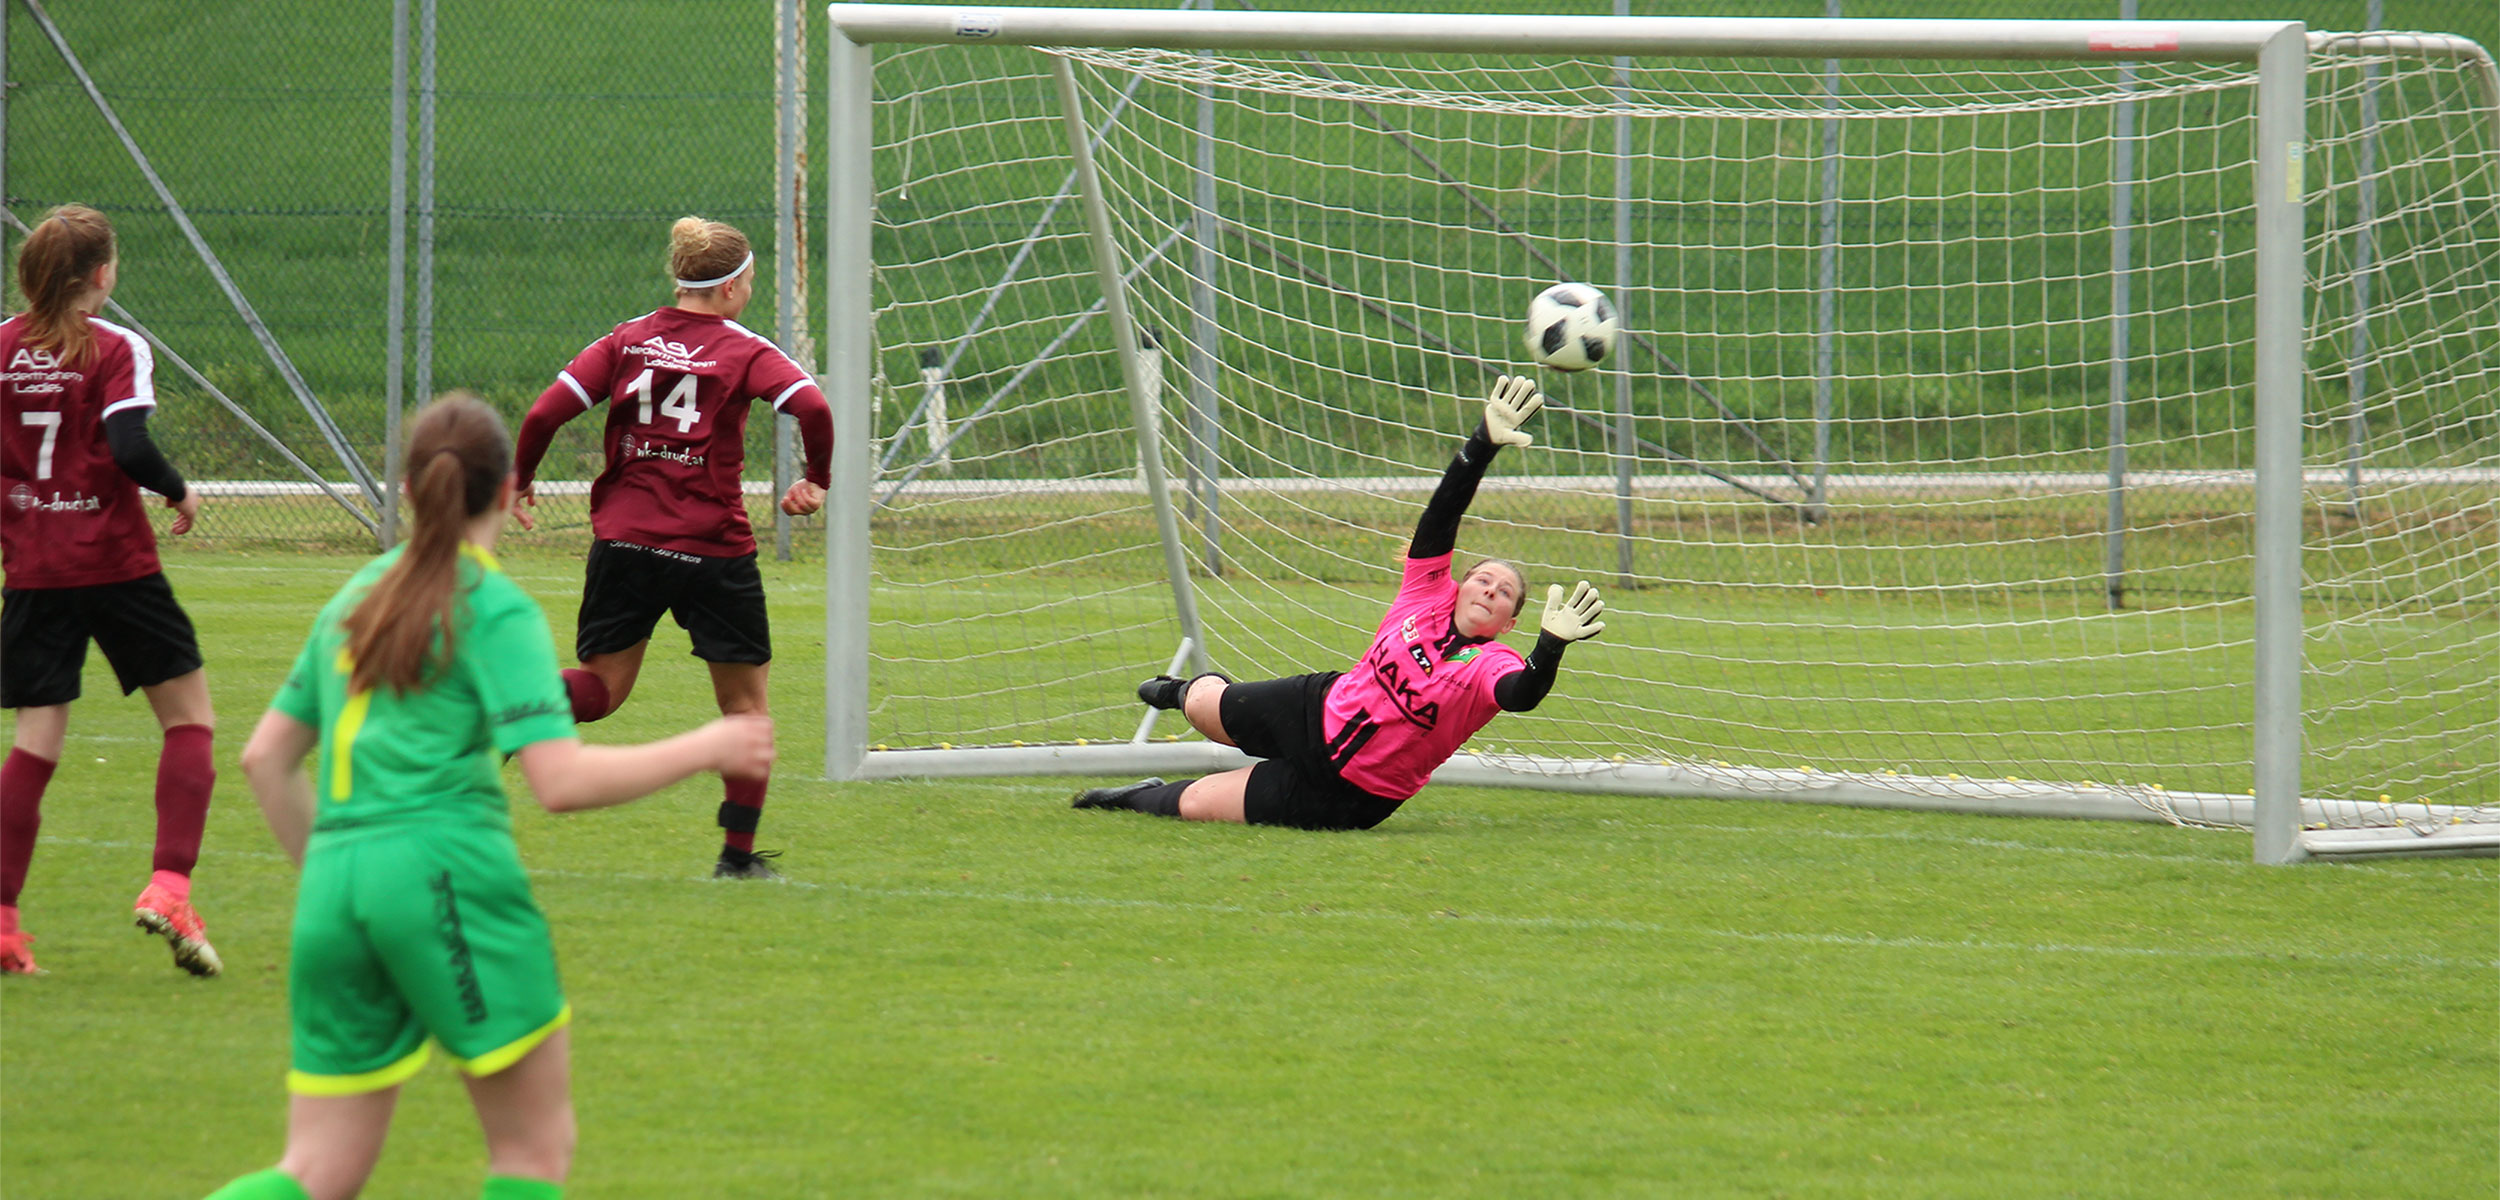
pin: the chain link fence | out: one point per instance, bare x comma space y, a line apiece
324, 208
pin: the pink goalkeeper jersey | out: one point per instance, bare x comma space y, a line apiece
69, 517
1419, 693
677, 385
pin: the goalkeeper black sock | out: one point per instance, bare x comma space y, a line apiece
1163, 800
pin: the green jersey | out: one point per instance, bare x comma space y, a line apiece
429, 755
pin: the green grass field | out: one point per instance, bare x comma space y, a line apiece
967, 989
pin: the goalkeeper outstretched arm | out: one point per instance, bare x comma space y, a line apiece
1513, 400
1565, 621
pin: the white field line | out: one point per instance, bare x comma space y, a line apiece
1866, 941
1894, 483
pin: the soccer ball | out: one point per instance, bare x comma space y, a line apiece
1571, 327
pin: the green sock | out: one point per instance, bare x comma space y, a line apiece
272, 1184
513, 1187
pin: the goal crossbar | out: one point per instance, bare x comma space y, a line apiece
1751, 37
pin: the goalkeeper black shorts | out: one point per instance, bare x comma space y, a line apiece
1280, 721
719, 602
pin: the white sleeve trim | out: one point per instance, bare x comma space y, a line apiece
132, 402
566, 377
142, 365
790, 391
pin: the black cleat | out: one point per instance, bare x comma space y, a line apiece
1163, 691
745, 864
1112, 797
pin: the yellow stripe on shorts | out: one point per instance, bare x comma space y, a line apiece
304, 1083
511, 1052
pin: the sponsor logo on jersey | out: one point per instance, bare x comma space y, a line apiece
672, 355
1410, 702
635, 448
1422, 657
24, 499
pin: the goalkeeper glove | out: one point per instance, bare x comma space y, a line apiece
1574, 619
1514, 399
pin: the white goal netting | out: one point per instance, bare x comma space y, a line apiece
1880, 489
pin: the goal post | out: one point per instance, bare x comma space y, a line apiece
1333, 216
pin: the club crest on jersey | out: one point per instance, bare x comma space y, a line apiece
1406, 629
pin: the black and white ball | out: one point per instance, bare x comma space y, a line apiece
1571, 327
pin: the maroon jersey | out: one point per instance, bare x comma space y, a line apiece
69, 517
677, 386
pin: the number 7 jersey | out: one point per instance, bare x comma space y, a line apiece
677, 385
69, 516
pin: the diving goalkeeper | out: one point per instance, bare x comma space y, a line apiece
1343, 749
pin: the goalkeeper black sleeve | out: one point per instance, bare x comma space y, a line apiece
1520, 691
126, 435
1436, 532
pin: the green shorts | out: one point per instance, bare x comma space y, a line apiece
407, 933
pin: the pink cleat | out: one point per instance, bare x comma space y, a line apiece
17, 956
179, 924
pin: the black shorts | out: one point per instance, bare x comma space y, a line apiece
44, 633
719, 602
1281, 721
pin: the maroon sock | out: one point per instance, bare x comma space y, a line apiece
588, 693
742, 806
185, 774
22, 780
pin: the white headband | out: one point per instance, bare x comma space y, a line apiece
698, 284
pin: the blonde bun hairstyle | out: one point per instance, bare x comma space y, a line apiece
700, 249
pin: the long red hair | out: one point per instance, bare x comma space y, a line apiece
54, 268
401, 633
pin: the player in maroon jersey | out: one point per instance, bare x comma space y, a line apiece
668, 516
80, 565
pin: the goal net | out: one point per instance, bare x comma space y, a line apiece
1924, 473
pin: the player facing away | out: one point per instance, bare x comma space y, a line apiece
80, 565
1343, 750
668, 516
414, 922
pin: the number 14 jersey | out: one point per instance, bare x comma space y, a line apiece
677, 385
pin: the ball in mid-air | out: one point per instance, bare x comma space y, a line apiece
1571, 327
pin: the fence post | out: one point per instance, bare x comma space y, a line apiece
395, 320
425, 213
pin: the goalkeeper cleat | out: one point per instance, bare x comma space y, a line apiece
17, 956
158, 912
745, 864
1163, 691
1117, 797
